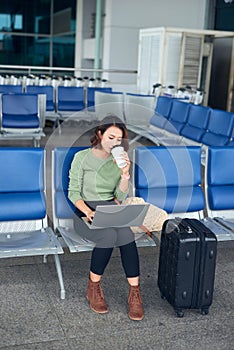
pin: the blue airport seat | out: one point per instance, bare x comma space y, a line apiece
178, 116
22, 117
219, 191
90, 96
170, 178
24, 229
70, 99
220, 179
163, 106
48, 90
219, 129
20, 111
196, 125
50, 108
138, 110
63, 209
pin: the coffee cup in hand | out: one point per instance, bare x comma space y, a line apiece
117, 153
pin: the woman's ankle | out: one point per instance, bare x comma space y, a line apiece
134, 281
94, 277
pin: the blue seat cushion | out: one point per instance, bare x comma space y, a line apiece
22, 206
71, 105
20, 121
221, 197
192, 132
211, 139
174, 199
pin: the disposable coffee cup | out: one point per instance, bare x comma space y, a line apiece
117, 154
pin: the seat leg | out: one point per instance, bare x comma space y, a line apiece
36, 142
60, 276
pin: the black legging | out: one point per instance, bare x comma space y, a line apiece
106, 240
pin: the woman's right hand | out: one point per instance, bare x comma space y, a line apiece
82, 206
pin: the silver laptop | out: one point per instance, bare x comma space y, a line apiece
118, 216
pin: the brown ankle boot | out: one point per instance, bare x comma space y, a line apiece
136, 311
96, 298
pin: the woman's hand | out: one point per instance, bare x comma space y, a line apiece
82, 206
125, 170
90, 214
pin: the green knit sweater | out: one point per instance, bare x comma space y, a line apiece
93, 179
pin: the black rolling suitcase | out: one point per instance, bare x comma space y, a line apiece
187, 265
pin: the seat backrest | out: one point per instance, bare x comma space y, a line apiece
179, 111
221, 122
7, 88
20, 104
20, 111
63, 209
163, 106
139, 108
90, 95
22, 195
70, 98
219, 181
198, 116
170, 177
106, 103
48, 90
197, 122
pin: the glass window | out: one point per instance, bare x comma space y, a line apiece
24, 50
63, 51
25, 16
6, 22
25, 36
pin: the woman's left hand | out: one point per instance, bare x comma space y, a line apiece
125, 170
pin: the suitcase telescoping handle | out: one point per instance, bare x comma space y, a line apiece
186, 227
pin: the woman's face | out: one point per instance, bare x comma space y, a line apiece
111, 137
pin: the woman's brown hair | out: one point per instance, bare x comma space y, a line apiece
107, 122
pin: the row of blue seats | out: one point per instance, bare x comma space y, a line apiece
184, 121
62, 98
169, 177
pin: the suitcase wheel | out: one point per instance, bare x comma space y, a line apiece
204, 311
179, 313
163, 296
